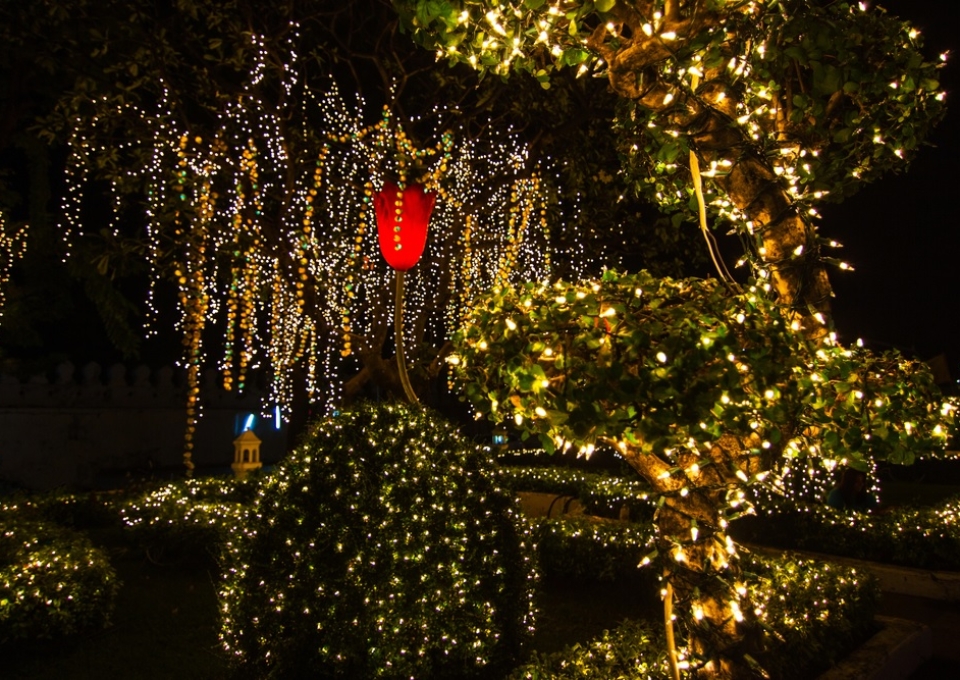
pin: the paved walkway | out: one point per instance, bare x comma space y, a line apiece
943, 618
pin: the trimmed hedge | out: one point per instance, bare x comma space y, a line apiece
381, 548
918, 537
53, 581
591, 548
814, 613
191, 516
811, 615
633, 649
79, 510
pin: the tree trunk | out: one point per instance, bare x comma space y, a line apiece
700, 560
709, 122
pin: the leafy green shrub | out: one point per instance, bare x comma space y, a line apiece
919, 537
813, 613
191, 516
381, 548
53, 581
81, 510
810, 613
586, 547
631, 650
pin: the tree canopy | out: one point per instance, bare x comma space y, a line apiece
773, 106
753, 114
266, 91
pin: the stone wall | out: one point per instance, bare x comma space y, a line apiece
91, 427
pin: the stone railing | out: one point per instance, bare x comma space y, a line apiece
84, 428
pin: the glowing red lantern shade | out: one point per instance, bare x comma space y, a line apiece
402, 220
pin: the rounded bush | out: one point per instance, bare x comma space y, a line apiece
53, 581
380, 548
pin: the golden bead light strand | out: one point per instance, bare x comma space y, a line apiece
322, 247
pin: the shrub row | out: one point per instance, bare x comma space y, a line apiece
811, 614
591, 548
191, 517
633, 649
919, 537
79, 510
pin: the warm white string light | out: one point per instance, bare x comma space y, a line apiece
280, 253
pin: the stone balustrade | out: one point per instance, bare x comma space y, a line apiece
83, 428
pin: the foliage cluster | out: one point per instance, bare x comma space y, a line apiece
381, 548
669, 365
817, 97
842, 96
812, 612
632, 649
812, 615
919, 537
79, 510
53, 581
591, 548
191, 516
662, 364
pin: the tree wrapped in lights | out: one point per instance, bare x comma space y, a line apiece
381, 548
146, 78
750, 111
687, 382
768, 108
705, 394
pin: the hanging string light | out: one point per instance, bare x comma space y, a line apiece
13, 246
273, 254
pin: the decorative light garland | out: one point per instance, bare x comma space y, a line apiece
275, 253
13, 246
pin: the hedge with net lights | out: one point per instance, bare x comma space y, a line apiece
189, 517
381, 548
53, 581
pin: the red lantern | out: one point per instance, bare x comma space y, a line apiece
403, 216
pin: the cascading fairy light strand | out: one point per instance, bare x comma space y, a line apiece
194, 300
13, 246
466, 270
277, 253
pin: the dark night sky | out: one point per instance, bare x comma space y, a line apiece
902, 233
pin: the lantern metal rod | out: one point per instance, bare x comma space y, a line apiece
398, 333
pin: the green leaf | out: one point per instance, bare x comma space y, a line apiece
796, 52
547, 443
573, 56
